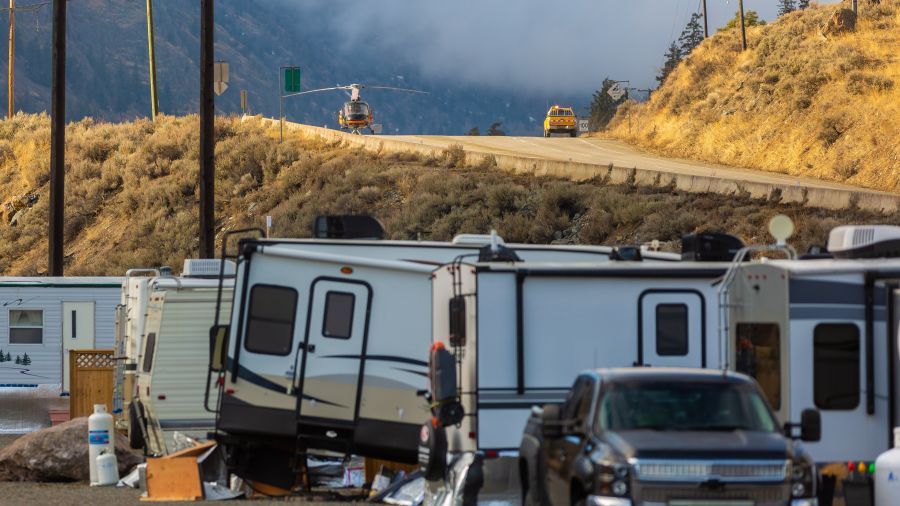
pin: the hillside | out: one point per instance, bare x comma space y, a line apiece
796, 101
107, 76
132, 196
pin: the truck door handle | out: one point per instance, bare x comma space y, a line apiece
311, 348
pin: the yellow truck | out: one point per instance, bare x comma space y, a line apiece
560, 120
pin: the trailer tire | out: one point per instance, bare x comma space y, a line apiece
432, 452
135, 434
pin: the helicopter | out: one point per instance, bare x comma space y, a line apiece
356, 114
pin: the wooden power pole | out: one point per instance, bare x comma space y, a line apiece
207, 125
705, 22
11, 72
743, 28
154, 100
57, 139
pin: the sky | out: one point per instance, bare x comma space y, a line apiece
526, 46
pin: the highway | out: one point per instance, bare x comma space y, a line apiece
604, 152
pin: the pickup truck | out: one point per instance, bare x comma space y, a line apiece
666, 437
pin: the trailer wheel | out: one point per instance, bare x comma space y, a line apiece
135, 434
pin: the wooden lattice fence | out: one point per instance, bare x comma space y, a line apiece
90, 381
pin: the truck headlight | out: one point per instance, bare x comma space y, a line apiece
619, 488
803, 476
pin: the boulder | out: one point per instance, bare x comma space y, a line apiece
842, 21
58, 453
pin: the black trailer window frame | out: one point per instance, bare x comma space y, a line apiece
25, 332
271, 318
149, 350
837, 356
672, 340
758, 355
337, 323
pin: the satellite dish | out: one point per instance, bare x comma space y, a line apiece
781, 227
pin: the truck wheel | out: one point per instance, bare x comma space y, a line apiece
135, 434
573, 134
546, 133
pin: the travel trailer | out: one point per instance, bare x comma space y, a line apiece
815, 333
327, 346
43, 318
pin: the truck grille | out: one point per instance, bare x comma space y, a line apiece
702, 471
742, 494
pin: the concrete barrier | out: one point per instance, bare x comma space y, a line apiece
828, 198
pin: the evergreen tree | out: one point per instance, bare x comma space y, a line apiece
692, 35
786, 6
2, 356
495, 129
26, 360
8, 357
18, 360
673, 56
474, 131
603, 107
751, 18
802, 4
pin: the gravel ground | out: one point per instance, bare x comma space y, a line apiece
82, 494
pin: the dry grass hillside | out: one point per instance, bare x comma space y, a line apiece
132, 196
796, 101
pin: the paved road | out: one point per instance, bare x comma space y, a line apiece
603, 152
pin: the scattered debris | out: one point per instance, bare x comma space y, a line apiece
58, 453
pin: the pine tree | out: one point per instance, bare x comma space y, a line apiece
495, 129
751, 18
26, 360
8, 357
2, 356
692, 35
18, 360
802, 4
603, 107
474, 131
786, 6
673, 56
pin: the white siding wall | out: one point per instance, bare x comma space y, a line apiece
46, 358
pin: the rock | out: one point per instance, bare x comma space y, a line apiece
842, 21
58, 453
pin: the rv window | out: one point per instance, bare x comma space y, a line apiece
26, 326
671, 330
758, 350
149, 348
270, 323
338, 322
836, 366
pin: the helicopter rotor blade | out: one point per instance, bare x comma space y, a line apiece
408, 90
335, 88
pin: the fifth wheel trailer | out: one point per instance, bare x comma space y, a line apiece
327, 346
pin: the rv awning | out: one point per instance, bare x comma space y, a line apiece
396, 265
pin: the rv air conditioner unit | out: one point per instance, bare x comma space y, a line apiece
206, 268
865, 241
347, 227
710, 247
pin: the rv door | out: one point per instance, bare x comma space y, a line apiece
331, 355
672, 324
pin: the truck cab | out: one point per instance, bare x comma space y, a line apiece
560, 120
642, 436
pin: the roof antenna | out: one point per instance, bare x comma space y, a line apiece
495, 243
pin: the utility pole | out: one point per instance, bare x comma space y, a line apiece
743, 28
855, 7
11, 73
705, 22
151, 43
207, 125
57, 140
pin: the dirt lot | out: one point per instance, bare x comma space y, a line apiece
82, 494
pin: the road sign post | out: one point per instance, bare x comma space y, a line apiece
616, 92
220, 77
288, 82
244, 102
583, 125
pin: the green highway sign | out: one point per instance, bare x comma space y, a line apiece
291, 79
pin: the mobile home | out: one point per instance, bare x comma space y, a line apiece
327, 346
42, 319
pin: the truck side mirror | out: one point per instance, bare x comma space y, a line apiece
550, 421
218, 340
810, 425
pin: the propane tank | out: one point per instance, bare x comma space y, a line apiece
107, 469
887, 474
100, 437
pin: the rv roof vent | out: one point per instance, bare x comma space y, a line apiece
475, 239
206, 268
710, 247
165, 271
626, 253
869, 241
347, 227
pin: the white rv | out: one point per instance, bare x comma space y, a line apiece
327, 346
41, 319
819, 333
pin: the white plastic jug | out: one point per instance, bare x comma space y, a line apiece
887, 475
100, 437
107, 469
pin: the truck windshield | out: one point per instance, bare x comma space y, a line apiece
700, 406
